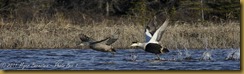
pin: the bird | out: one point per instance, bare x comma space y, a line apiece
99, 45
153, 36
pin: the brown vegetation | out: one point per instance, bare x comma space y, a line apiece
62, 33
57, 23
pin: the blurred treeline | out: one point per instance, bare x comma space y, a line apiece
78, 10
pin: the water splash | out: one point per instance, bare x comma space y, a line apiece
179, 55
233, 55
133, 57
187, 54
206, 56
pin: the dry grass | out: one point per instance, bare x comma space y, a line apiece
62, 33
226, 35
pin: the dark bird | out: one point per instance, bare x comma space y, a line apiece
99, 45
153, 36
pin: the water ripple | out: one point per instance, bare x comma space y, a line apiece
128, 59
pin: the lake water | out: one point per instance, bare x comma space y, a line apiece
123, 59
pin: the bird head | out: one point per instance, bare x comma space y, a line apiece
134, 44
164, 50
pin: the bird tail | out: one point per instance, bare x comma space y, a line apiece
113, 50
164, 50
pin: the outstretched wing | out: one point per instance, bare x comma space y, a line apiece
113, 38
151, 26
85, 38
94, 42
150, 29
158, 34
148, 35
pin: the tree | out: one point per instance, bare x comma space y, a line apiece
224, 9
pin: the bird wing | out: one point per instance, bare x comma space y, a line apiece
148, 35
85, 38
94, 42
113, 38
151, 26
158, 34
150, 29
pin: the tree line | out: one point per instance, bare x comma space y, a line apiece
184, 10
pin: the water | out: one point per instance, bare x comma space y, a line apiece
132, 59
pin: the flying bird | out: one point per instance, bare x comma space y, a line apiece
103, 45
153, 37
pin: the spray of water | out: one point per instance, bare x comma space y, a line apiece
233, 55
207, 55
179, 55
133, 56
183, 55
187, 54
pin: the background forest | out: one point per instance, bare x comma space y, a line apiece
57, 23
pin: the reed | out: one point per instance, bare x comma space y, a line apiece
63, 33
